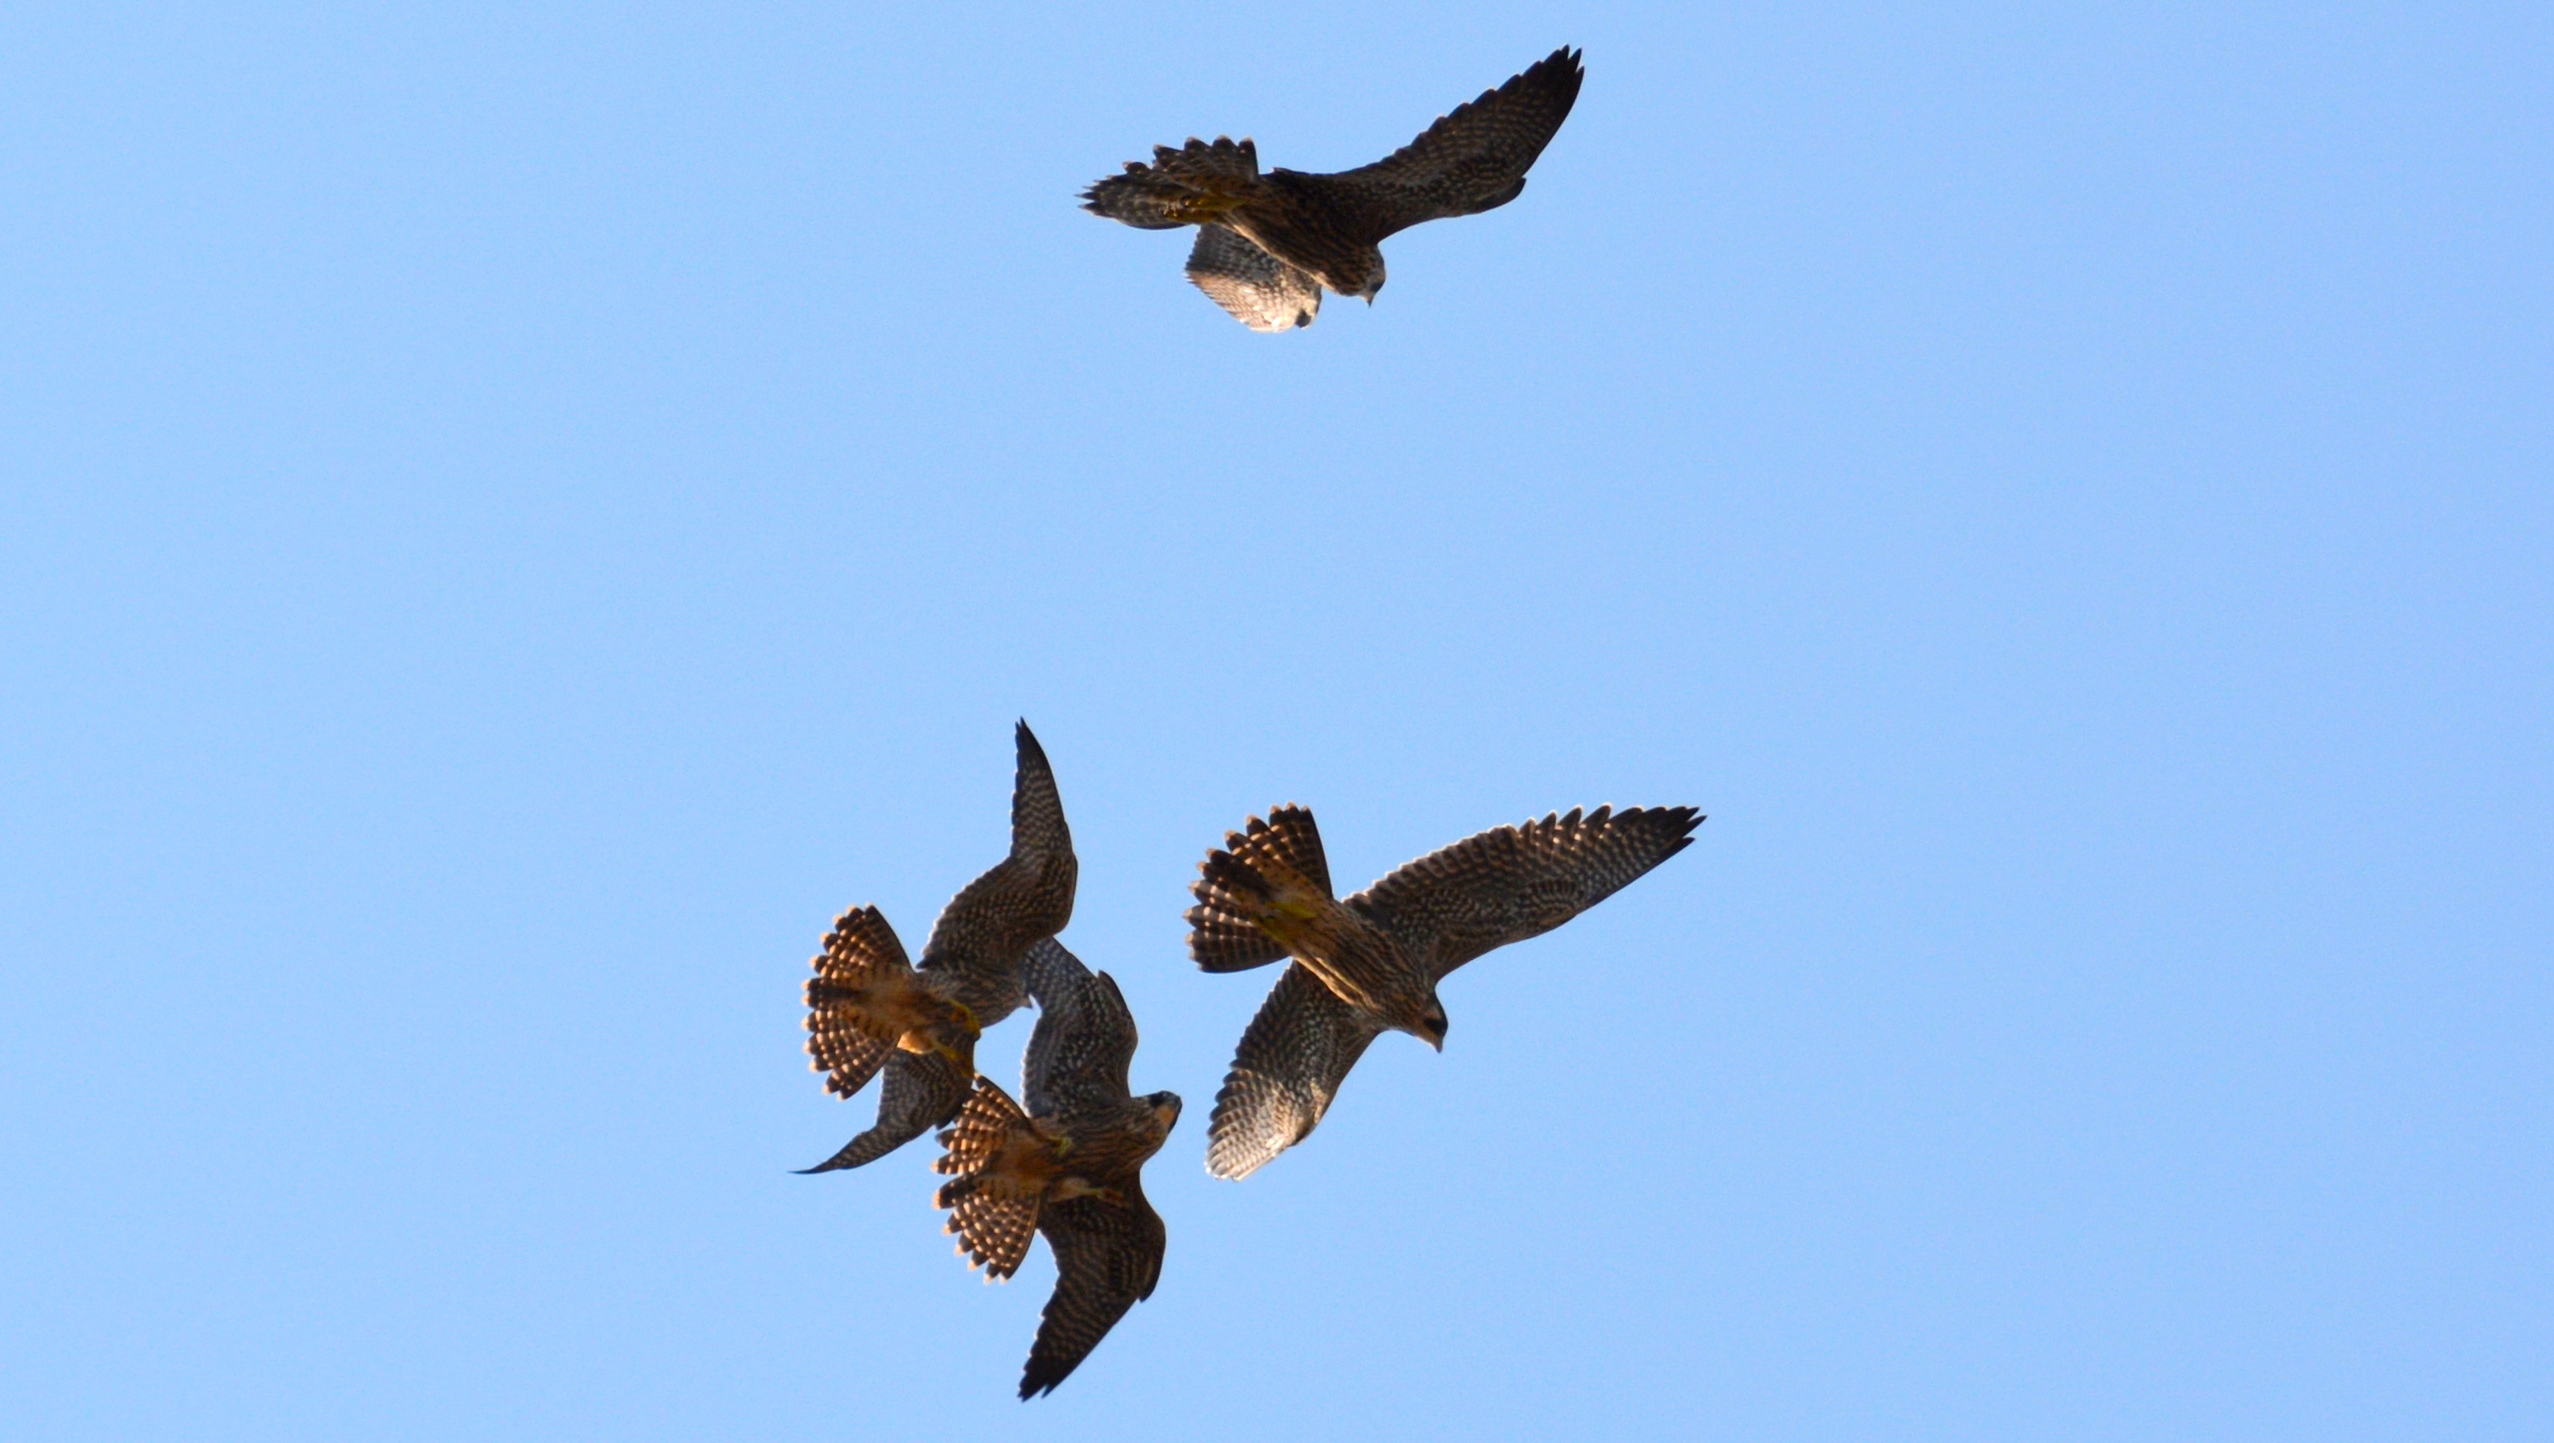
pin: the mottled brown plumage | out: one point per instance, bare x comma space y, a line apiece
1372, 963
871, 1010
1311, 231
1069, 1165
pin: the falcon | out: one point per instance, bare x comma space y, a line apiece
1068, 1165
1267, 244
870, 1009
1372, 963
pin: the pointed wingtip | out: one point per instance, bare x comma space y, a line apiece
1226, 1168
1030, 754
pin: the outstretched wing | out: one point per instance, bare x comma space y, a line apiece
1510, 883
1037, 809
1292, 1058
1261, 291
1108, 1256
1085, 1037
981, 934
1473, 159
923, 1090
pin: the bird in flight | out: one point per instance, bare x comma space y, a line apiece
1268, 243
1373, 962
1069, 1165
870, 1009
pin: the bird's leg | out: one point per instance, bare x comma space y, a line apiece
1073, 1187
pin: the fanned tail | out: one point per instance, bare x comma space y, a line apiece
993, 1230
988, 1117
846, 1055
861, 963
1188, 186
1267, 871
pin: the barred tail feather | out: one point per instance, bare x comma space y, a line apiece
846, 1055
1289, 839
993, 1231
846, 1038
989, 1116
1164, 195
1241, 884
861, 955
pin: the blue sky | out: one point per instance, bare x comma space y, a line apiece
514, 518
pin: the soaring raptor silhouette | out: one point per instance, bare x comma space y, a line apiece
1373, 962
1268, 243
869, 1008
1070, 1165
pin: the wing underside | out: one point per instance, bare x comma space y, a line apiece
1292, 1058
1261, 291
1108, 1256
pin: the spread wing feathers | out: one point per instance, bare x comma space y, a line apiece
847, 1041
1037, 812
1050, 971
1027, 895
1510, 883
1261, 291
923, 1090
1108, 1256
1473, 159
1289, 1066
1079, 1051
1166, 194
993, 1231
1222, 937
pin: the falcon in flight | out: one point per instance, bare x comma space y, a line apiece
1069, 1165
1373, 961
868, 1008
1268, 243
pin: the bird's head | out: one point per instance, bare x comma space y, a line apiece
1358, 274
1165, 1107
1424, 1018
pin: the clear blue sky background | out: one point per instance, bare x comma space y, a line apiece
510, 519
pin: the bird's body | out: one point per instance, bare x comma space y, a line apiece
869, 1010
1068, 1166
1372, 963
1260, 880
1269, 242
